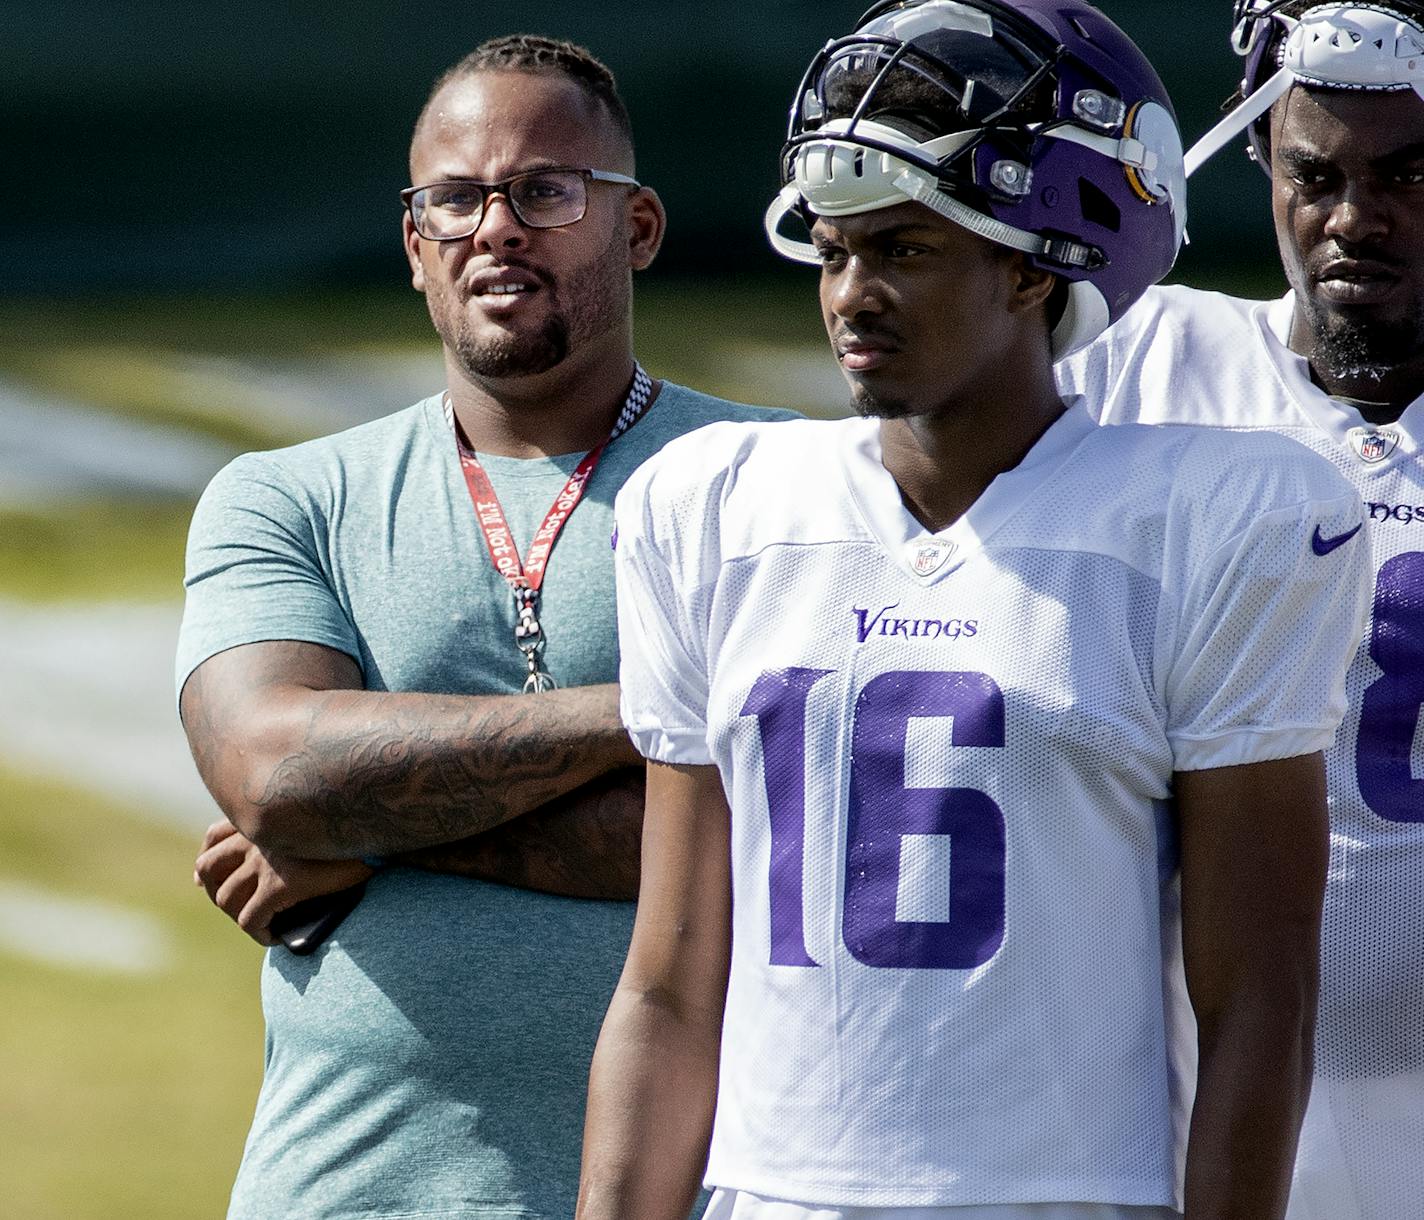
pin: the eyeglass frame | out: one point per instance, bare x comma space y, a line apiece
487, 189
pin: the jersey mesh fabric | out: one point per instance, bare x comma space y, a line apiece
1182, 356
735, 1205
948, 981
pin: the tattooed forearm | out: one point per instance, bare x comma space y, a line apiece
430, 770
307, 764
585, 844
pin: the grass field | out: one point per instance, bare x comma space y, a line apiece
130, 550
126, 1094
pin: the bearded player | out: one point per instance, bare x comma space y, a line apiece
917, 921
1334, 109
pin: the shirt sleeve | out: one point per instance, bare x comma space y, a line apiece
255, 569
662, 668
1267, 626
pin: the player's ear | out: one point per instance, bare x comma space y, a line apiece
1030, 285
647, 222
411, 240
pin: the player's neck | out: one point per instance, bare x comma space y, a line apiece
1380, 396
1380, 392
567, 409
944, 461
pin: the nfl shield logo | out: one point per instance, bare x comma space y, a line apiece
1374, 444
928, 557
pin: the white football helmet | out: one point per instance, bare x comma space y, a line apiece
1331, 46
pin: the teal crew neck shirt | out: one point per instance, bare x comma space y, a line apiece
431, 1060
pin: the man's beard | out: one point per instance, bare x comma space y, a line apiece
594, 299
512, 355
1349, 348
869, 405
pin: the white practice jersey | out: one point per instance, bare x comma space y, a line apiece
956, 971
1184, 356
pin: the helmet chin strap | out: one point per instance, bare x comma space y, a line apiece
788, 247
918, 186
1239, 120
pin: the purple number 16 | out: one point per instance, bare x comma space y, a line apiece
882, 811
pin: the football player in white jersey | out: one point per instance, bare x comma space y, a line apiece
918, 919
1334, 100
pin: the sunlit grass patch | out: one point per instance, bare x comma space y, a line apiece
154, 387
294, 324
94, 550
125, 1094
136, 358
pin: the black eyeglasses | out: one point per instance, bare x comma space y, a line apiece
541, 199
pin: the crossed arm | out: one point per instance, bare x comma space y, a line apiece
1254, 848
314, 772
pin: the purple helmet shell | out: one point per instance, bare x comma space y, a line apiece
1035, 123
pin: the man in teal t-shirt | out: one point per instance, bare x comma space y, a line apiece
350, 680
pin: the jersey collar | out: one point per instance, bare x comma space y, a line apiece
928, 558
1339, 420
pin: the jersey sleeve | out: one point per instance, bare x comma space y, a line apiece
1267, 624
254, 570
661, 635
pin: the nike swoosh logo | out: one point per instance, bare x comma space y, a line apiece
1323, 546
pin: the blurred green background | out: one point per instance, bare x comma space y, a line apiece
199, 255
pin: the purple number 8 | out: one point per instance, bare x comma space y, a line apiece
882, 811
1389, 711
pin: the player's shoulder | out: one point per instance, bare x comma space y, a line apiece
1183, 355
729, 453
1166, 325
686, 409
1214, 474
1184, 310
1161, 498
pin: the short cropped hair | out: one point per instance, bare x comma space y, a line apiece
534, 53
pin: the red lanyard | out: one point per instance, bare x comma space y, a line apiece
525, 579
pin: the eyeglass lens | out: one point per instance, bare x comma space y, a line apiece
541, 200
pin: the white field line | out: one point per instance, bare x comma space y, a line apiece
86, 697
80, 933
54, 449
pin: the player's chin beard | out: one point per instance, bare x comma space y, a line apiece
495, 352
870, 405
1352, 348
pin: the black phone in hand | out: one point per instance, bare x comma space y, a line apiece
304, 926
